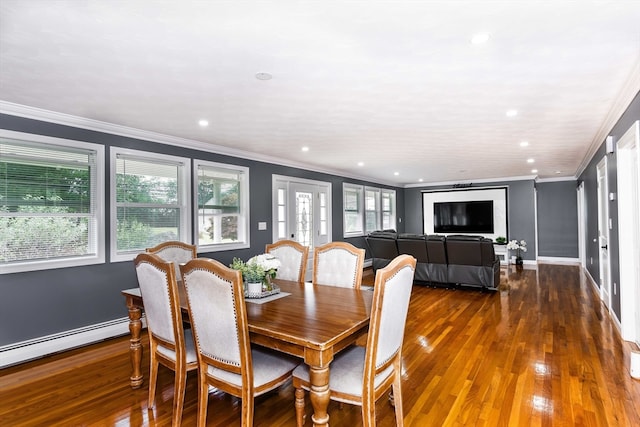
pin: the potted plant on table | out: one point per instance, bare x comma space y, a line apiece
257, 272
519, 246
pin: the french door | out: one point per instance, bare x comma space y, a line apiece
302, 212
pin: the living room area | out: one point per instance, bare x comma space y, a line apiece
233, 126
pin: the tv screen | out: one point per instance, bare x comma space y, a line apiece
463, 217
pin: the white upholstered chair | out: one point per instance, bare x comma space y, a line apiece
170, 344
176, 252
338, 264
293, 259
360, 375
225, 358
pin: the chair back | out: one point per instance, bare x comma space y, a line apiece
293, 259
176, 252
218, 315
338, 264
159, 290
392, 292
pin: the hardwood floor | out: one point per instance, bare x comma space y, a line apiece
542, 351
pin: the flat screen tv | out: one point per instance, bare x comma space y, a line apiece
463, 217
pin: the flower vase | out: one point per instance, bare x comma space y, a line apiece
268, 286
254, 288
519, 262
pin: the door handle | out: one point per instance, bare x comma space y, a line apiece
604, 247
292, 235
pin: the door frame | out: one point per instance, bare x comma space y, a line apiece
280, 181
602, 170
582, 228
628, 170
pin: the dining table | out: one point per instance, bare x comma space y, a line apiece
313, 322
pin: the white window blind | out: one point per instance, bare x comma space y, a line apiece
50, 203
150, 201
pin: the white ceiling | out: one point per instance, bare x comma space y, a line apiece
396, 85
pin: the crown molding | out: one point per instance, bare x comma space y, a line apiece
629, 91
48, 116
472, 181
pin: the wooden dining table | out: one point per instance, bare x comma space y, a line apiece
312, 322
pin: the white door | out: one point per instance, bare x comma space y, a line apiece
302, 212
603, 232
628, 168
582, 232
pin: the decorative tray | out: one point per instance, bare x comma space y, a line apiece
263, 294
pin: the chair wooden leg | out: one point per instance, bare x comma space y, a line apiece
397, 400
300, 415
153, 379
203, 399
247, 408
178, 396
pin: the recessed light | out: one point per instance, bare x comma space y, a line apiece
305, 149
203, 123
534, 170
511, 113
420, 180
530, 160
524, 143
558, 172
396, 173
263, 76
360, 163
480, 38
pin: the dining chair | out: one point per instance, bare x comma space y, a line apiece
338, 264
360, 375
176, 252
170, 344
293, 259
226, 360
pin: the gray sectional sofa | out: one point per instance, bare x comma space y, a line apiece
454, 259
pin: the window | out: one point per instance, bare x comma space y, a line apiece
388, 209
149, 201
372, 209
375, 208
352, 206
222, 206
51, 202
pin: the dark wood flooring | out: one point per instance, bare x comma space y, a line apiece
542, 351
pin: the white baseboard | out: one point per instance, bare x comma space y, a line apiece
24, 351
558, 260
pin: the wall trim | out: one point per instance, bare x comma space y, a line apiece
24, 351
618, 106
558, 260
34, 113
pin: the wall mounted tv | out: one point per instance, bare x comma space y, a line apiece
474, 216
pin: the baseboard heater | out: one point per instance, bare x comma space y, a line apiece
24, 351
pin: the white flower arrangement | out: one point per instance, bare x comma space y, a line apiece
260, 268
515, 245
267, 262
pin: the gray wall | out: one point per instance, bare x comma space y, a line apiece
557, 219
40, 303
520, 210
589, 177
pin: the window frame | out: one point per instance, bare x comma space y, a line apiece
393, 206
97, 235
359, 189
377, 210
183, 189
244, 214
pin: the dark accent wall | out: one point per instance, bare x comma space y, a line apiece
520, 210
557, 219
40, 303
589, 177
